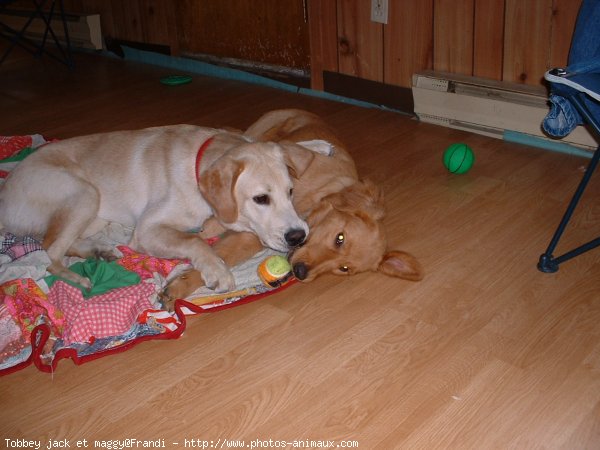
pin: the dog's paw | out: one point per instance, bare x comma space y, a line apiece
219, 280
60, 271
86, 283
167, 301
180, 287
106, 255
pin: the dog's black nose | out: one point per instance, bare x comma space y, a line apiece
295, 238
300, 270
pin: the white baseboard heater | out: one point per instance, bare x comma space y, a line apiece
84, 29
487, 107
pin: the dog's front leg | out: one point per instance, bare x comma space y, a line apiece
164, 241
233, 247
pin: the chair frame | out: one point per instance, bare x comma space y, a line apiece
547, 262
17, 37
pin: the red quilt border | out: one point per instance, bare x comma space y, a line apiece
41, 333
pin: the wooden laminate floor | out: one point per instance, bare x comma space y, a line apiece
484, 353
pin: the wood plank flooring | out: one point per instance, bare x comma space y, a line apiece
484, 353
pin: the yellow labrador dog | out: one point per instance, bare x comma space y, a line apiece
163, 181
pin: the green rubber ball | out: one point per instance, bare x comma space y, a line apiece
459, 158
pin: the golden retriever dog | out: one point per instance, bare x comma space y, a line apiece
163, 182
344, 213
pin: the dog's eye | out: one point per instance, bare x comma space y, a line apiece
339, 239
344, 269
262, 199
291, 192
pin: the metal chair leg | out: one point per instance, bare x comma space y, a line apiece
547, 262
17, 37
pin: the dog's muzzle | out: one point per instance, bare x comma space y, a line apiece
295, 238
300, 270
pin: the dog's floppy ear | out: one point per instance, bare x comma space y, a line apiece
318, 213
217, 186
297, 157
400, 264
375, 202
363, 196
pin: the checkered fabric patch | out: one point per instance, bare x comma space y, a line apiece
105, 315
17, 247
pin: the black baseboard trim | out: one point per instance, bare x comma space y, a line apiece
114, 46
386, 95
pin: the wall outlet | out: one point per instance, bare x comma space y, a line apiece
379, 11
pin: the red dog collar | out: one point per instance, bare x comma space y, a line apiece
201, 150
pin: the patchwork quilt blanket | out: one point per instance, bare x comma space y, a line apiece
44, 319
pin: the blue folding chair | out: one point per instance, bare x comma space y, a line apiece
45, 10
575, 100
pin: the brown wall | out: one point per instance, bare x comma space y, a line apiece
513, 40
266, 31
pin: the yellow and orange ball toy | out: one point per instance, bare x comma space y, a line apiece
274, 271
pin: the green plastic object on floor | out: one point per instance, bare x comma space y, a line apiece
459, 158
176, 80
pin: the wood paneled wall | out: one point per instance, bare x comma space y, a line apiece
512, 40
144, 21
268, 31
263, 31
